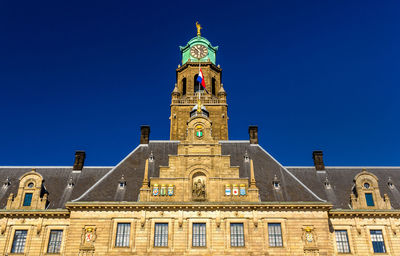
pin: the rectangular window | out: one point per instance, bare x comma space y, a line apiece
342, 241
27, 199
161, 235
377, 241
275, 235
55, 241
199, 235
123, 235
18, 245
237, 235
369, 199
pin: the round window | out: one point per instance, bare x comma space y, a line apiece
30, 185
366, 185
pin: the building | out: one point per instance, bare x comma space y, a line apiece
199, 193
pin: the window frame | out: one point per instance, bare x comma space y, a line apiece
162, 235
385, 248
124, 239
275, 235
49, 239
237, 235
369, 201
199, 235
347, 240
113, 238
13, 240
30, 199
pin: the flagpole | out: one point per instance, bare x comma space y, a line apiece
203, 78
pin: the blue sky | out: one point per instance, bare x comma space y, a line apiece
84, 75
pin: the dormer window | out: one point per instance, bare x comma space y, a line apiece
390, 183
31, 193
366, 194
122, 182
327, 183
369, 198
276, 182
71, 182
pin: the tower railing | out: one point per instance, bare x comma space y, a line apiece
189, 101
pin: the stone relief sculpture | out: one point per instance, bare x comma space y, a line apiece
199, 190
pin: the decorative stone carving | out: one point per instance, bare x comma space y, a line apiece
88, 238
199, 189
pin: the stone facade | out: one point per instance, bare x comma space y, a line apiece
199, 194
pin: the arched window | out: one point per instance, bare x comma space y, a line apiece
184, 86
213, 86
197, 85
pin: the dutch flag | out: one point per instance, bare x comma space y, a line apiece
201, 80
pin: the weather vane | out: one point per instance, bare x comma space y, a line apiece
198, 26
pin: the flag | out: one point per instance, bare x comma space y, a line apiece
201, 80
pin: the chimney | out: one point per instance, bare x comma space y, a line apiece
317, 156
79, 160
144, 134
253, 134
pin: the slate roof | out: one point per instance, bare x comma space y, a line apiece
296, 184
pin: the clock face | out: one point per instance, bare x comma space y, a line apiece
198, 51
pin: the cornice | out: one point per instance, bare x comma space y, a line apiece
222, 206
337, 213
60, 213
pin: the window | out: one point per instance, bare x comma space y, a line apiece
377, 241
342, 241
184, 86
123, 235
369, 199
27, 199
275, 235
161, 235
55, 241
213, 86
199, 235
237, 235
18, 245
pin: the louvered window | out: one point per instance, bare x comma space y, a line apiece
161, 235
199, 235
237, 235
18, 245
123, 235
342, 241
55, 241
275, 235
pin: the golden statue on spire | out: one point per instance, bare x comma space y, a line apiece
198, 26
199, 105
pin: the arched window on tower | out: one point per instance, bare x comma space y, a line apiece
213, 86
184, 86
197, 85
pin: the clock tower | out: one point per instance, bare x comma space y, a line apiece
198, 54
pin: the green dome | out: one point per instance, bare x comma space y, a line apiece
185, 50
